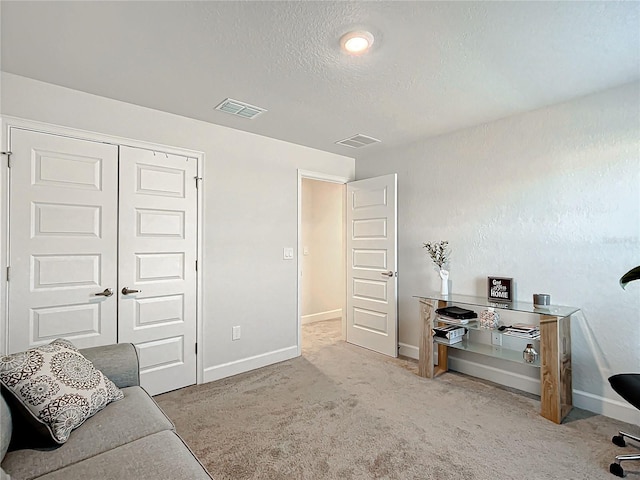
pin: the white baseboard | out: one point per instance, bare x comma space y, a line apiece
619, 410
410, 351
246, 364
322, 316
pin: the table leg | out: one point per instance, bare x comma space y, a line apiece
425, 363
555, 367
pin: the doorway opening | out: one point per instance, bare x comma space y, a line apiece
369, 256
321, 253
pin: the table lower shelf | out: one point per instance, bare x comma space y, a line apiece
492, 351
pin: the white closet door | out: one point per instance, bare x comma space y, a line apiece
62, 240
157, 223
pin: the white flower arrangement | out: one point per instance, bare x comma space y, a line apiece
440, 253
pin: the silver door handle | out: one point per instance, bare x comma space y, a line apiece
127, 291
387, 274
106, 293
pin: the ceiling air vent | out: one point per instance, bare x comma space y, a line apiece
240, 109
358, 141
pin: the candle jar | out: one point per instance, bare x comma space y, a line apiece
541, 300
489, 318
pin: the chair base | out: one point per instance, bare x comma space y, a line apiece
616, 468
619, 439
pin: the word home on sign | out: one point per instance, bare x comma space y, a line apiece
500, 288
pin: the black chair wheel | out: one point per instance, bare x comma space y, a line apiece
619, 441
616, 469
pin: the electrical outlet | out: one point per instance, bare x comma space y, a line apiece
235, 333
496, 338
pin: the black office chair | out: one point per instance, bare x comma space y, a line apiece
627, 385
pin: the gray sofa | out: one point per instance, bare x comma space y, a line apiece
129, 439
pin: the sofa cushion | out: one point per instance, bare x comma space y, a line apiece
161, 456
5, 427
57, 385
129, 419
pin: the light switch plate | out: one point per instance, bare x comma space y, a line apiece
235, 333
287, 253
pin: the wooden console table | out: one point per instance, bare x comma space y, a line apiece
555, 347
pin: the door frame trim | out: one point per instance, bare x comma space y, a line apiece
324, 177
7, 123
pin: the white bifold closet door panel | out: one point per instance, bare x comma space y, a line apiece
157, 265
62, 240
91, 223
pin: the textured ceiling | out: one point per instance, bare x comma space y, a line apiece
435, 67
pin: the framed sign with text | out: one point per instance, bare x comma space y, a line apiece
500, 289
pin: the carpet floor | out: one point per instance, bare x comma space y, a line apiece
343, 412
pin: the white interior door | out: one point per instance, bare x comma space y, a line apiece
157, 243
62, 240
372, 318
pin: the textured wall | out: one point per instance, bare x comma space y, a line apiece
323, 287
551, 198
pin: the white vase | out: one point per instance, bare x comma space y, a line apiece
444, 279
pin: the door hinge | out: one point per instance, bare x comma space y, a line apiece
8, 270
196, 179
196, 265
8, 154
196, 348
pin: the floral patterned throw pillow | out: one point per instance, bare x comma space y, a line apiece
57, 385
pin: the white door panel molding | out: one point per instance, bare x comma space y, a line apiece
157, 245
372, 318
63, 249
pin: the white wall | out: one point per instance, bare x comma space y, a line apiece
323, 290
551, 198
250, 196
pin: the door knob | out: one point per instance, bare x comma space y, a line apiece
387, 274
106, 293
127, 291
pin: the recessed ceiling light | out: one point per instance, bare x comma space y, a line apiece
356, 43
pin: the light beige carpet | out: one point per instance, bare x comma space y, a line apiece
343, 412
